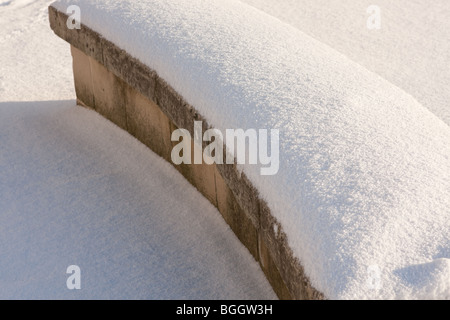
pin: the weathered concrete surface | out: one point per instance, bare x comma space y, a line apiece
234, 215
289, 267
128, 93
82, 77
148, 123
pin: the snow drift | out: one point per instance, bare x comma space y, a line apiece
364, 179
411, 49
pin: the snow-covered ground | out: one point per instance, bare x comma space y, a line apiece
363, 190
34, 65
411, 49
77, 190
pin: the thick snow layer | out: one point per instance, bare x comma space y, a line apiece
75, 189
411, 49
363, 190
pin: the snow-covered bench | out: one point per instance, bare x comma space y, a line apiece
359, 206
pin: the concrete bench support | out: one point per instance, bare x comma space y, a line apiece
135, 98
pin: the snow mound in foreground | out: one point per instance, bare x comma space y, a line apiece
75, 189
363, 190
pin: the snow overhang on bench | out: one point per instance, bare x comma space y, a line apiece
362, 189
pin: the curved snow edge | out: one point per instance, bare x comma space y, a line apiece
363, 185
269, 245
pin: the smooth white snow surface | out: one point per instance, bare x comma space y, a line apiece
363, 190
33, 65
76, 189
411, 49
